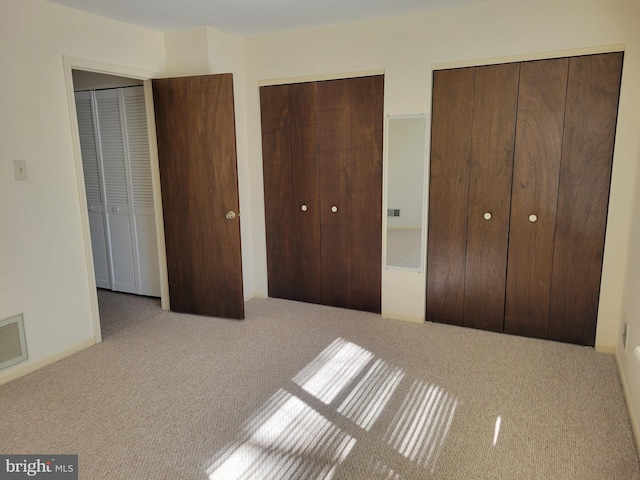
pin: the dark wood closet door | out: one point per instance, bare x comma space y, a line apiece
585, 174
365, 192
541, 105
449, 194
290, 160
305, 196
276, 158
197, 156
494, 119
350, 115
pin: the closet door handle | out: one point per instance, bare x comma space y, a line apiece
487, 216
303, 208
334, 209
115, 209
533, 218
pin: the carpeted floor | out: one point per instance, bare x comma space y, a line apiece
305, 391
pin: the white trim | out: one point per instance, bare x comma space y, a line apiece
602, 348
574, 52
318, 78
24, 369
70, 63
402, 316
627, 397
157, 194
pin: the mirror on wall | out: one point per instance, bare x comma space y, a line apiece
406, 157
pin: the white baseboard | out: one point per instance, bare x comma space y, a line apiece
20, 370
403, 316
605, 348
627, 398
256, 295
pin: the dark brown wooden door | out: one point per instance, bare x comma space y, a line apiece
350, 122
541, 105
290, 158
495, 99
322, 158
195, 126
526, 225
585, 174
449, 194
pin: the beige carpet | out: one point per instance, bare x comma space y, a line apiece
304, 391
403, 248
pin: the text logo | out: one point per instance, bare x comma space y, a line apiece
49, 467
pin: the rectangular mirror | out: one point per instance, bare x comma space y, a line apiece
406, 157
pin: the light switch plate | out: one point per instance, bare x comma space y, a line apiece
20, 169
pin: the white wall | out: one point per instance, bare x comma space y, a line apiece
407, 47
43, 269
629, 128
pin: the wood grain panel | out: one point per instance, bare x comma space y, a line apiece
276, 161
585, 174
452, 114
367, 117
197, 157
491, 166
541, 105
305, 178
334, 150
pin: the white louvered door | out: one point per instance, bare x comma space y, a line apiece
117, 171
143, 214
93, 187
114, 174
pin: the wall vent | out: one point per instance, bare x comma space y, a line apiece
13, 348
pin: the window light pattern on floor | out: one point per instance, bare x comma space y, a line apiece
369, 397
286, 439
420, 427
333, 370
292, 436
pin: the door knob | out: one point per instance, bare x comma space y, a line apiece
303, 208
115, 209
334, 209
487, 216
533, 218
230, 215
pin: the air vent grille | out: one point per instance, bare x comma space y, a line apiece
12, 342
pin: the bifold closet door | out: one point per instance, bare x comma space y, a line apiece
525, 220
93, 187
195, 125
117, 191
474, 112
585, 174
322, 157
495, 99
536, 172
452, 115
350, 122
289, 117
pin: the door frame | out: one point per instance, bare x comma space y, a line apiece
69, 64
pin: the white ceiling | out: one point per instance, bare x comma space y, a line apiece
248, 17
